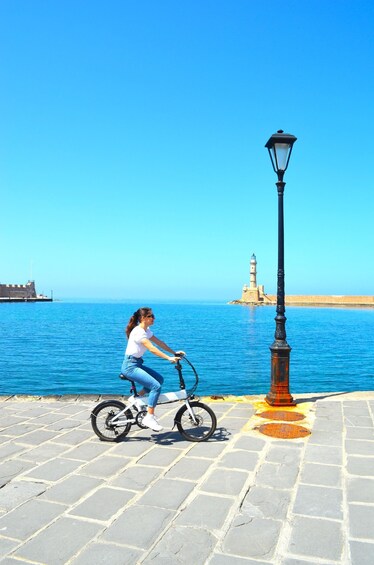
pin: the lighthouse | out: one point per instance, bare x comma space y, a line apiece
253, 272
252, 294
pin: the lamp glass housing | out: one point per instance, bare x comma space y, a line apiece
280, 156
280, 147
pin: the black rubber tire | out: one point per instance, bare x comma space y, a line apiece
100, 420
206, 422
139, 419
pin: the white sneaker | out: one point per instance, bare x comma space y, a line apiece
150, 421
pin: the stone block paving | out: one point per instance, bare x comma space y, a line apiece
240, 498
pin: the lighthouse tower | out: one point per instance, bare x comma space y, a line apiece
251, 294
253, 272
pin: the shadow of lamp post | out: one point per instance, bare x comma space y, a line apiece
280, 148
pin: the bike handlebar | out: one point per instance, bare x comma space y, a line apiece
178, 366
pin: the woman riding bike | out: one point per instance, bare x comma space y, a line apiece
141, 338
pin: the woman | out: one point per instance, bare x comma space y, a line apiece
141, 338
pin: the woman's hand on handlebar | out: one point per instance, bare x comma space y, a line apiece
177, 357
174, 359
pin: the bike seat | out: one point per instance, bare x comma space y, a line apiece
124, 378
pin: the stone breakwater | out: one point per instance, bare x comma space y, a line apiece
154, 498
311, 300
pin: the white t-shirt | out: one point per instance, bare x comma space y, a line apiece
134, 345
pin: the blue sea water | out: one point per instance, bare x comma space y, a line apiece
77, 347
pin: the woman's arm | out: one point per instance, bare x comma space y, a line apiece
153, 349
163, 345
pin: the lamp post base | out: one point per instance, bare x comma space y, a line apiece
279, 394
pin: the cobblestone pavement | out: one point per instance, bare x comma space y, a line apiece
240, 498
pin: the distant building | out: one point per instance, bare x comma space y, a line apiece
21, 293
254, 294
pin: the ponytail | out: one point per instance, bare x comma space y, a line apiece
136, 318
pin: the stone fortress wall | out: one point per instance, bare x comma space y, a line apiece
255, 295
21, 293
18, 290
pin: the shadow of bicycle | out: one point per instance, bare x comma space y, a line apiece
174, 437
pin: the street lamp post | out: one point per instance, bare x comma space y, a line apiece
280, 147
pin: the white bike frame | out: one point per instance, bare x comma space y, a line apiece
140, 402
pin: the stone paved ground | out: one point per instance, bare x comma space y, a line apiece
241, 498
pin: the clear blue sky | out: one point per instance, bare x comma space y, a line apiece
132, 159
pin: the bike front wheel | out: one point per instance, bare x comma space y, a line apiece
101, 420
199, 425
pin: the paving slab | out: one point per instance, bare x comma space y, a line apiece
360, 490
13, 468
361, 553
44, 452
15, 493
323, 475
241, 498
103, 504
105, 553
225, 559
136, 478
59, 542
263, 502
54, 470
190, 468
325, 502
361, 521
225, 481
208, 512
71, 490
167, 493
139, 526
317, 538
252, 537
28, 518
322, 454
105, 466
182, 545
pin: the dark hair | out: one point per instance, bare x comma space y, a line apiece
136, 318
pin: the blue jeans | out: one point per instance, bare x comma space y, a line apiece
151, 381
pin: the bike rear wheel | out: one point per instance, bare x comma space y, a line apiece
198, 428
101, 420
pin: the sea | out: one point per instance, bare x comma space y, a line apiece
77, 347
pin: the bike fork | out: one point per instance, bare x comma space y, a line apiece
191, 412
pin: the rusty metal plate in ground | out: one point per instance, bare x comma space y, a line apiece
283, 431
281, 415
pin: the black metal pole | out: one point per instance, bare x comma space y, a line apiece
279, 394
